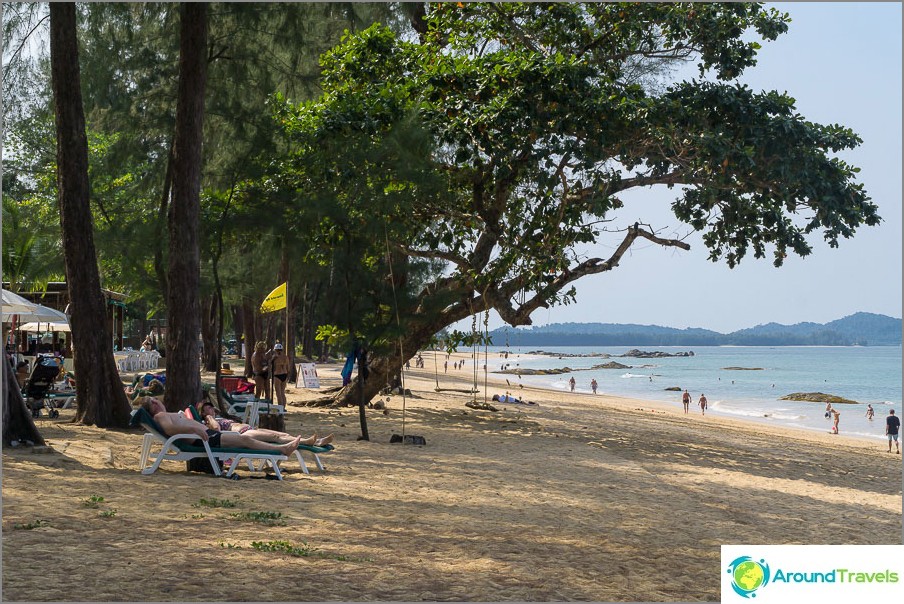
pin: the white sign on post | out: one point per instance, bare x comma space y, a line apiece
307, 376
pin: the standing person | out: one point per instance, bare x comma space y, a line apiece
836, 416
870, 414
259, 365
593, 385
828, 410
686, 400
892, 425
280, 364
703, 404
571, 383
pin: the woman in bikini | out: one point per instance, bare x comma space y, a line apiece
260, 366
280, 365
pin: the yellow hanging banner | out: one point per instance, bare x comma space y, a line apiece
276, 300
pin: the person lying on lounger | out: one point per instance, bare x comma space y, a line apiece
154, 388
175, 423
209, 414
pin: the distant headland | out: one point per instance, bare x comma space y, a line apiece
859, 329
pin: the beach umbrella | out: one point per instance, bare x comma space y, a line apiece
38, 314
15, 304
51, 326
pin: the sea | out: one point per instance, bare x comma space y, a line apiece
868, 375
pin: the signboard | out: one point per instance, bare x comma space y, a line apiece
307, 376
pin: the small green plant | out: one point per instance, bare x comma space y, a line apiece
197, 516
30, 525
108, 513
93, 501
215, 503
229, 545
284, 547
268, 518
300, 551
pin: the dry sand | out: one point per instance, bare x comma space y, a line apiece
579, 497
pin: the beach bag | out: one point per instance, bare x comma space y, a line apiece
202, 464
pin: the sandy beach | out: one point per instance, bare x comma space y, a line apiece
577, 497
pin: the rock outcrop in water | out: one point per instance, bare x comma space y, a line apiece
642, 354
817, 397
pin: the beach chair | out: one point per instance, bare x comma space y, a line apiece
180, 447
315, 452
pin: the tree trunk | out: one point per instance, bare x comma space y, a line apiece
99, 391
250, 335
209, 329
18, 424
183, 384
384, 367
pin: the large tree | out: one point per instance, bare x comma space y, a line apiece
183, 294
502, 139
101, 399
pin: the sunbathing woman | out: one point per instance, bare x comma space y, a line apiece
208, 412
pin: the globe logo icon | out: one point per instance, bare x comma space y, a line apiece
748, 575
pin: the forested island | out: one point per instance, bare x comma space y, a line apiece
860, 329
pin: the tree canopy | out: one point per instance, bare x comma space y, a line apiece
504, 136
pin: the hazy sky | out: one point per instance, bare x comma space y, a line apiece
842, 64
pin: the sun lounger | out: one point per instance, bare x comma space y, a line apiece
314, 451
180, 447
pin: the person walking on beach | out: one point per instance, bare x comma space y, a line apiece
686, 400
571, 383
892, 426
870, 414
703, 404
593, 385
828, 410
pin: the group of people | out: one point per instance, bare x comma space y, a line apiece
222, 432
270, 363
686, 402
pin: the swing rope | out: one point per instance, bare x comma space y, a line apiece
395, 302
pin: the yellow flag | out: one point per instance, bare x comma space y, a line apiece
276, 300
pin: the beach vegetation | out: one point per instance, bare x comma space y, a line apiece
93, 502
464, 167
268, 518
31, 525
213, 502
453, 159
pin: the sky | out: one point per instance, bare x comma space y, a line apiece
842, 64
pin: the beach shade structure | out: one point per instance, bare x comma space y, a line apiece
62, 326
14, 304
39, 314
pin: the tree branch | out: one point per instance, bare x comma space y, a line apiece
521, 316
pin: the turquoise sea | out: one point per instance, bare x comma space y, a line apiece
864, 374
